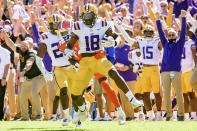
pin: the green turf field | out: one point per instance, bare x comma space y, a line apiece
100, 126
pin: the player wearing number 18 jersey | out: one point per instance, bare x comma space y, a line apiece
89, 34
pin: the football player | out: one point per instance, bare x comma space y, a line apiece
150, 51
136, 59
101, 78
187, 66
89, 33
63, 70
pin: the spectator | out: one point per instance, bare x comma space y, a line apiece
171, 65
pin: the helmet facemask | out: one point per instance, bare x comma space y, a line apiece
89, 18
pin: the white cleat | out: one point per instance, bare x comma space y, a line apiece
122, 117
76, 117
141, 117
65, 122
78, 124
151, 118
135, 103
52, 119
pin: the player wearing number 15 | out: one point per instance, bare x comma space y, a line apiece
63, 70
150, 51
89, 34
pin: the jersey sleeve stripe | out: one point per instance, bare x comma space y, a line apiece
78, 25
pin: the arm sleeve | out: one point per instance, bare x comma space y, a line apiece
125, 35
161, 33
35, 34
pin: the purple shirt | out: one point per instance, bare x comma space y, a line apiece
121, 55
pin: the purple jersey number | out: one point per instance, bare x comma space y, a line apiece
57, 53
94, 43
148, 52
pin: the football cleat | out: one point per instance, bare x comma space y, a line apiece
122, 117
52, 119
65, 122
79, 124
135, 103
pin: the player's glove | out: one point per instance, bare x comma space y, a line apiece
135, 68
69, 53
107, 41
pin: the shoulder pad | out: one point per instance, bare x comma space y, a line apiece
76, 26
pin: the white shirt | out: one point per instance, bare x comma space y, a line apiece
4, 60
187, 63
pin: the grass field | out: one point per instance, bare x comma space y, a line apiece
100, 126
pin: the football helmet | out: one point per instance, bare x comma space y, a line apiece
54, 21
89, 14
65, 30
149, 31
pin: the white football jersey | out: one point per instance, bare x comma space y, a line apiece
51, 41
187, 62
150, 52
137, 62
89, 38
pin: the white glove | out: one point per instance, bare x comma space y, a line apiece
107, 41
135, 68
69, 53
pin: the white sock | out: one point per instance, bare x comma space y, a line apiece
175, 114
129, 94
163, 113
54, 115
66, 113
193, 114
158, 113
186, 115
82, 107
141, 111
136, 114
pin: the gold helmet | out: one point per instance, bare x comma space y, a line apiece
54, 21
148, 31
89, 14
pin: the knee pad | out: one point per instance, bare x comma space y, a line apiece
63, 91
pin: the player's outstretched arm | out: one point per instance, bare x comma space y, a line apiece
72, 41
117, 38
